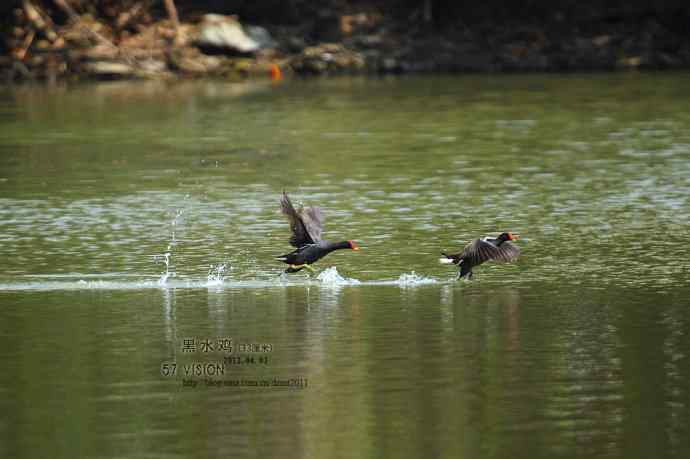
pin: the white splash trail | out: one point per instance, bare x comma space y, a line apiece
216, 275
331, 277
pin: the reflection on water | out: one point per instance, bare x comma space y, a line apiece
134, 218
471, 372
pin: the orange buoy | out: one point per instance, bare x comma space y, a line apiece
275, 73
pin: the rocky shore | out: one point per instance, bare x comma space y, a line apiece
53, 40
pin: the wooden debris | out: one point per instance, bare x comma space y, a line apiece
109, 69
172, 13
129, 16
21, 52
40, 20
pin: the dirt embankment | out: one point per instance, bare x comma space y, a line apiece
69, 39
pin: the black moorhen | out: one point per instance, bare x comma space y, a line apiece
306, 225
498, 249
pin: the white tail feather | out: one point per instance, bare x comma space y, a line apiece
445, 261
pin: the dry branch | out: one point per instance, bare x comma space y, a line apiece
33, 13
28, 39
124, 18
172, 13
64, 6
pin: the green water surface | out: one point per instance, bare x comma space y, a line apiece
579, 349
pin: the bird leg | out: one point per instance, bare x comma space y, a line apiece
305, 265
466, 276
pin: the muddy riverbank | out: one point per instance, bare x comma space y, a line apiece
58, 39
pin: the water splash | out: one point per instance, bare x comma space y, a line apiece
216, 274
176, 219
167, 256
412, 280
331, 277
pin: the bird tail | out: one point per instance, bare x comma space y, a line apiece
447, 259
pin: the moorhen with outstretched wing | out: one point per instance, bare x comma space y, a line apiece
498, 249
306, 225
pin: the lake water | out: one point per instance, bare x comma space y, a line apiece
142, 314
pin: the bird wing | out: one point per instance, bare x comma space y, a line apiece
479, 251
312, 218
300, 235
507, 252
305, 224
